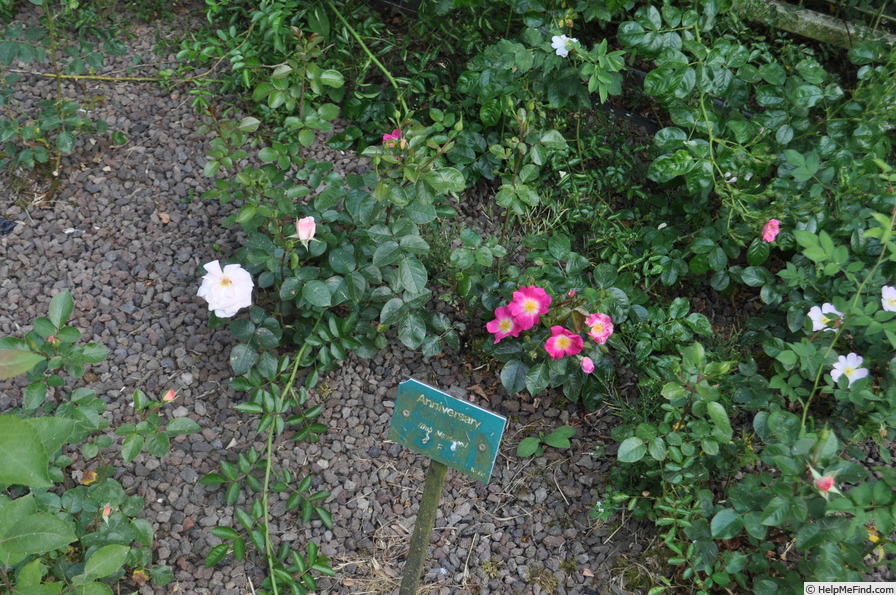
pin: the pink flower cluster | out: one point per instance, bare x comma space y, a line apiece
392, 140
770, 230
524, 311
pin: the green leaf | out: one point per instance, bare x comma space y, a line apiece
446, 180
317, 293
667, 167
726, 524
131, 447
513, 376
61, 307
412, 330
776, 512
528, 447
33, 534
386, 254
216, 554
23, 459
182, 425
53, 431
631, 450
722, 431
559, 438
242, 358
65, 142
412, 275
16, 361
758, 252
537, 378
106, 560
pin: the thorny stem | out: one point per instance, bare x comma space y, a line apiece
6, 580
855, 299
267, 470
53, 48
367, 51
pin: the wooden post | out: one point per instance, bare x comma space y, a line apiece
426, 518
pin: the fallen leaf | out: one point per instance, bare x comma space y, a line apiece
140, 577
165, 217
587, 572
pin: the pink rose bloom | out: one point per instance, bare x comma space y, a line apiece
571, 293
169, 396
587, 365
503, 325
562, 343
305, 229
601, 327
824, 483
528, 304
770, 230
390, 140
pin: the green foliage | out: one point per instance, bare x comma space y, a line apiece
755, 129
534, 445
55, 536
31, 139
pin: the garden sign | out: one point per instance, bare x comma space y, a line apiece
451, 432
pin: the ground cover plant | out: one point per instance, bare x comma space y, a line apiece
769, 180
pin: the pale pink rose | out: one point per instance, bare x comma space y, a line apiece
169, 396
600, 327
888, 298
770, 230
587, 365
849, 366
226, 290
305, 229
820, 317
561, 43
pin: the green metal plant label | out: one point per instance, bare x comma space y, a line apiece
451, 431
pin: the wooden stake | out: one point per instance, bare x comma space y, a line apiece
426, 518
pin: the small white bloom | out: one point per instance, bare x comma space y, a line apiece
851, 366
560, 43
227, 290
821, 318
888, 298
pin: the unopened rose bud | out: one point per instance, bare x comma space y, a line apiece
169, 396
824, 483
107, 512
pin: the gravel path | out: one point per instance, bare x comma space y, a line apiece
127, 235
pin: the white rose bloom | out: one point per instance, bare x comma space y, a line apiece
227, 290
560, 43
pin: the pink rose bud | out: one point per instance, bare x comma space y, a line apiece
587, 365
571, 293
770, 230
305, 229
169, 396
824, 483
107, 511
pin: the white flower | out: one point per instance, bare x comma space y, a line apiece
560, 44
849, 365
888, 298
226, 291
821, 319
